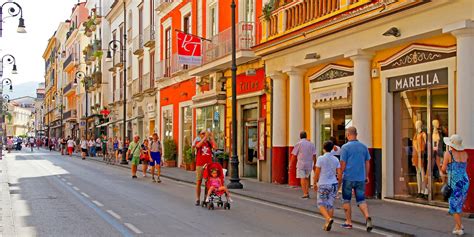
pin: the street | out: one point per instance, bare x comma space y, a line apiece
53, 195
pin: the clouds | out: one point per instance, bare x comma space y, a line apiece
42, 18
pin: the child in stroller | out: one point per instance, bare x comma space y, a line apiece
215, 188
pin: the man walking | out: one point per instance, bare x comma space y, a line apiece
203, 157
70, 145
305, 152
134, 152
355, 159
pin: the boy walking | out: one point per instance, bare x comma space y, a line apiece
355, 159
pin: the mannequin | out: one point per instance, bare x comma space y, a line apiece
437, 144
419, 149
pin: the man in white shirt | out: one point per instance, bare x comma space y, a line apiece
70, 145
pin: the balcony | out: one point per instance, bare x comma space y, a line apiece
150, 36
160, 5
70, 115
137, 88
170, 67
69, 88
148, 83
69, 62
138, 45
217, 53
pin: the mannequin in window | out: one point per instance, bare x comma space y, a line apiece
437, 146
419, 150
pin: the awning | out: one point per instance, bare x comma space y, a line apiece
208, 103
331, 92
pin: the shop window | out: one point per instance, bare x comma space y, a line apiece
167, 124
420, 123
212, 118
187, 128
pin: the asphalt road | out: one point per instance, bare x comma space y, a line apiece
54, 195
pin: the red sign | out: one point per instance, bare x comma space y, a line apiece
248, 84
105, 112
189, 49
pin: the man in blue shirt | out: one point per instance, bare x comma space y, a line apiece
355, 159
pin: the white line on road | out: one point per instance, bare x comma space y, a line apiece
112, 213
69, 183
133, 228
63, 179
76, 188
98, 203
85, 195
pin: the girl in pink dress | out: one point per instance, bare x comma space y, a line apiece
216, 185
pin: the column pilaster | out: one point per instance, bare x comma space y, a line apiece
296, 105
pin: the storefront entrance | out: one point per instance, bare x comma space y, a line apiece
250, 116
420, 123
333, 124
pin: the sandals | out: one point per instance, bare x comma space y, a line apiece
328, 225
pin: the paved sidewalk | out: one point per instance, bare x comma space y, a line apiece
7, 227
405, 218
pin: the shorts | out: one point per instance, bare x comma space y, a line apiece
135, 160
303, 173
84, 150
199, 170
69, 150
326, 195
155, 158
98, 148
359, 190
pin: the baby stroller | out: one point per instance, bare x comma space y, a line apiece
216, 196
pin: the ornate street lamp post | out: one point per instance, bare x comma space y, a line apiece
80, 76
117, 45
234, 162
13, 10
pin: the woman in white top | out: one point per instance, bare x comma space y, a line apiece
83, 148
326, 184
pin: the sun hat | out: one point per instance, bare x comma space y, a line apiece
455, 141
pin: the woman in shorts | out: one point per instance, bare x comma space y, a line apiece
326, 184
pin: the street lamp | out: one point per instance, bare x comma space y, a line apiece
116, 45
81, 77
3, 107
234, 162
60, 94
9, 59
14, 10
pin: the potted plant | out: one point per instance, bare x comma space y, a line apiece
170, 152
189, 158
223, 158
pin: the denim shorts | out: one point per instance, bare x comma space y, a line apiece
359, 190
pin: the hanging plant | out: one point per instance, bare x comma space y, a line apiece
98, 54
268, 9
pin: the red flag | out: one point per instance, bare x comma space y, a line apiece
189, 49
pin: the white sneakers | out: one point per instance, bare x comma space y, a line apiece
458, 232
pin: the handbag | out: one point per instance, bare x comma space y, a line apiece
130, 156
447, 190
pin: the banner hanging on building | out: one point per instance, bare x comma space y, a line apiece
189, 49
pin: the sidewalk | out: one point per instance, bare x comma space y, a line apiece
405, 218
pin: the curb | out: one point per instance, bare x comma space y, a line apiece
261, 199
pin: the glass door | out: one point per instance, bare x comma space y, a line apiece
333, 124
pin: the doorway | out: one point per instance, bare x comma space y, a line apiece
250, 145
333, 122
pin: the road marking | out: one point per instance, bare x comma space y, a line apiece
98, 203
76, 188
85, 195
112, 213
63, 179
133, 228
69, 183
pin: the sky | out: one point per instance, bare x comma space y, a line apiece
42, 17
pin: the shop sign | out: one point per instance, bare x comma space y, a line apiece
424, 79
189, 49
248, 84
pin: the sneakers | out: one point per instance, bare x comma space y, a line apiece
134, 177
368, 224
305, 197
346, 226
458, 232
158, 180
153, 179
328, 225
198, 202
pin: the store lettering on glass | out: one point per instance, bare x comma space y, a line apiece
419, 80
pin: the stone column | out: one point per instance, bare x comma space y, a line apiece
279, 129
362, 95
296, 117
464, 33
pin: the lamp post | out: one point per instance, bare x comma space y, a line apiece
81, 76
234, 162
116, 45
14, 10
60, 94
9, 59
8, 82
